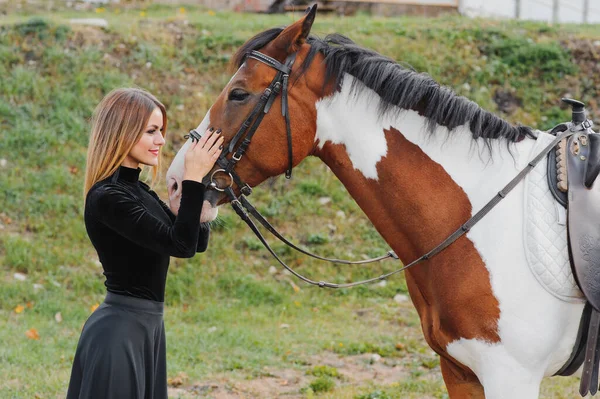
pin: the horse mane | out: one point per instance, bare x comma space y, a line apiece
397, 86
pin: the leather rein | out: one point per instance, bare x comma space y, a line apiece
244, 208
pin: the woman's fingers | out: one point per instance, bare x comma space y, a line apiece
205, 137
212, 139
217, 147
192, 146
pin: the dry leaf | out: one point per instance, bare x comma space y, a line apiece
175, 382
178, 380
295, 287
94, 307
29, 305
19, 309
58, 317
32, 333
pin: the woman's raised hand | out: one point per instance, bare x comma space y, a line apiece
202, 155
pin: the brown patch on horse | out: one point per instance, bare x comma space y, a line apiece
415, 205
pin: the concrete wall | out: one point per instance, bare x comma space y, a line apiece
540, 10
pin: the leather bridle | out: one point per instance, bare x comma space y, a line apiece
279, 84
244, 208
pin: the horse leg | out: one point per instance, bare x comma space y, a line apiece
500, 381
460, 384
501, 375
507, 384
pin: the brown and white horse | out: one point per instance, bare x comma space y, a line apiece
419, 161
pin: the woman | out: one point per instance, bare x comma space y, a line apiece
121, 351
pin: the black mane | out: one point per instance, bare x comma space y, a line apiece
396, 85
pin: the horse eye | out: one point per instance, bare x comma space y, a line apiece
238, 95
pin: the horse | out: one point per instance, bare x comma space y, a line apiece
419, 160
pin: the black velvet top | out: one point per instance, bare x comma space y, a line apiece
135, 233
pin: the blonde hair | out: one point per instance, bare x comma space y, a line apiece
118, 123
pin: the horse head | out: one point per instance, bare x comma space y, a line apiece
261, 102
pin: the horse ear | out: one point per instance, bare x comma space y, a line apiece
294, 35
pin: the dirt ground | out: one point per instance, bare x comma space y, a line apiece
359, 370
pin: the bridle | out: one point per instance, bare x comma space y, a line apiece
279, 84
244, 208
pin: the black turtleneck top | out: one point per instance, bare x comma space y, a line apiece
135, 233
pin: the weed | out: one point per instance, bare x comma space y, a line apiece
324, 371
322, 384
374, 395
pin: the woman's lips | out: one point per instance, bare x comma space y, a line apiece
155, 152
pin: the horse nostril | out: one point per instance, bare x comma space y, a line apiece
172, 188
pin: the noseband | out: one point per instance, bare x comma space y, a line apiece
243, 208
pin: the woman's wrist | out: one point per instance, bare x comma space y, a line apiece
193, 178
192, 187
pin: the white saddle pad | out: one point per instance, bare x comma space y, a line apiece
546, 232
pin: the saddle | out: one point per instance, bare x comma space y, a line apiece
573, 169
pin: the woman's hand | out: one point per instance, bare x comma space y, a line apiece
202, 155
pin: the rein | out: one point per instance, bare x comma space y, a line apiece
245, 209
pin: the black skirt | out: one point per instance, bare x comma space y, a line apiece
121, 352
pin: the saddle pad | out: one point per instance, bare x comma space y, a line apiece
545, 238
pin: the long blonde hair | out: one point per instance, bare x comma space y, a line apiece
118, 123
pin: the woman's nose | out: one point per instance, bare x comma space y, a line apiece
160, 140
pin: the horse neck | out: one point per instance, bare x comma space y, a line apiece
415, 187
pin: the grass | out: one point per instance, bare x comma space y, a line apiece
228, 317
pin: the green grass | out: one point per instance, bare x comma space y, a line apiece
227, 316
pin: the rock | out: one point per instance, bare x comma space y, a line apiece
400, 298
101, 22
340, 214
58, 317
37, 287
3, 163
20, 277
148, 65
284, 326
324, 200
382, 283
272, 270
212, 329
375, 358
